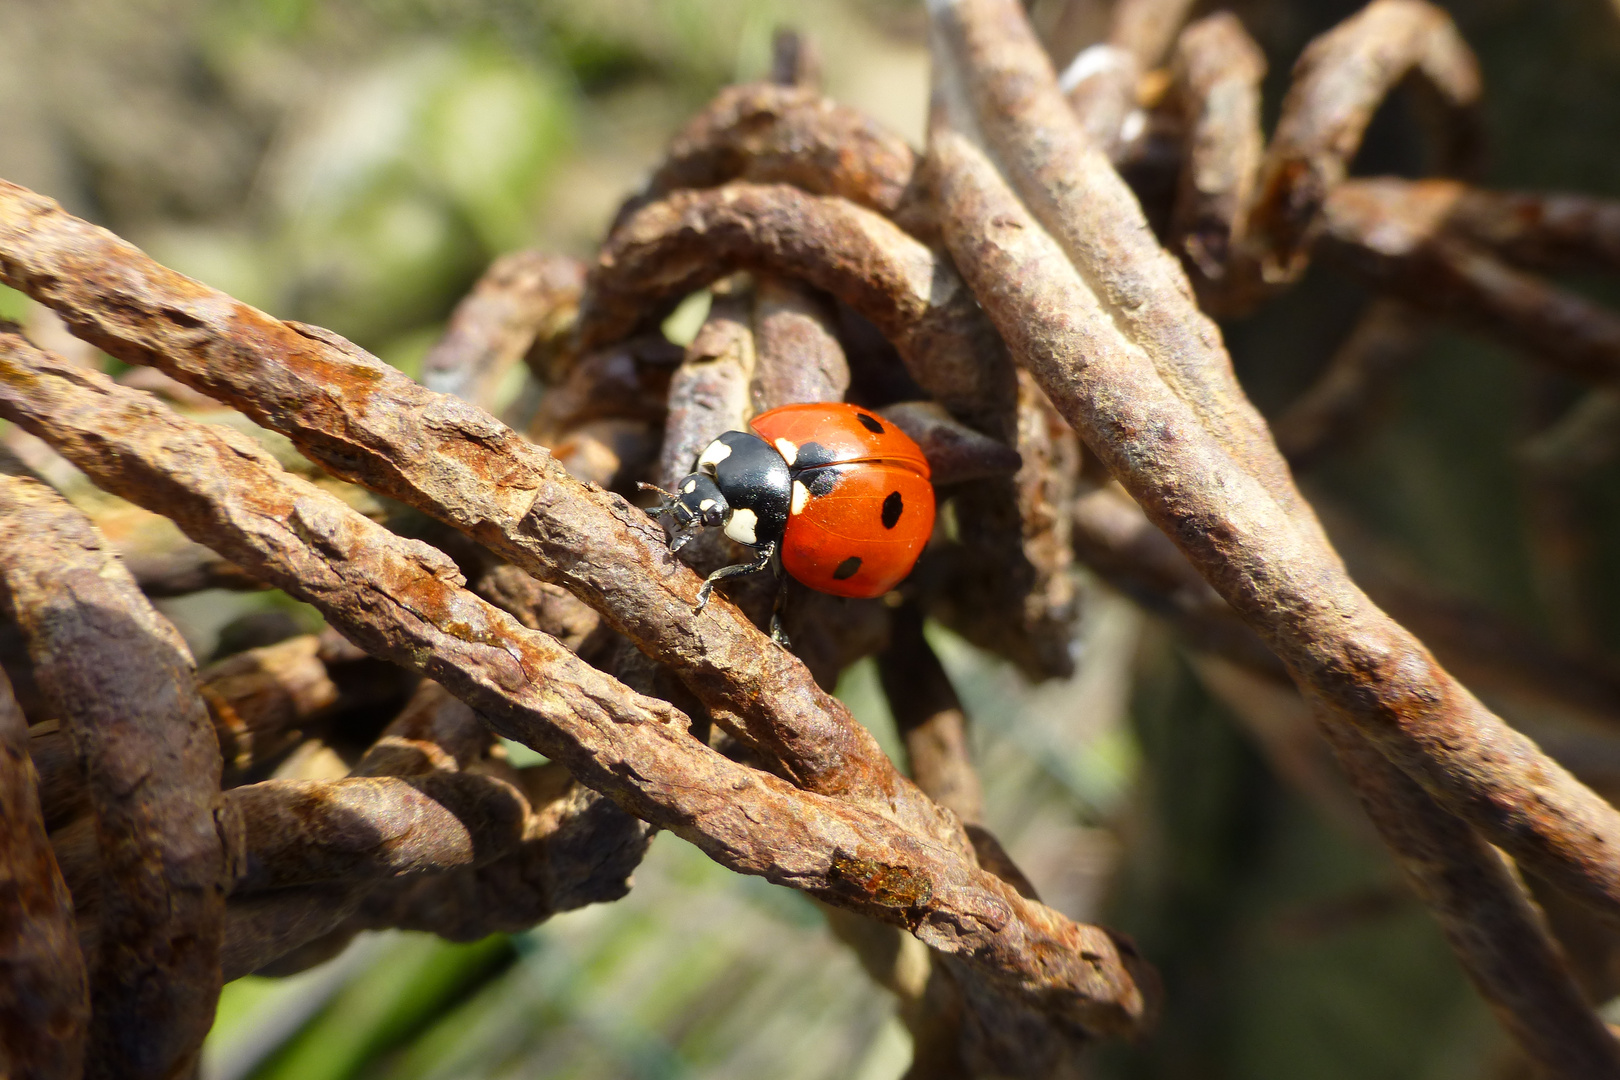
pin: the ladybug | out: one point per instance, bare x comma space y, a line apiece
840, 493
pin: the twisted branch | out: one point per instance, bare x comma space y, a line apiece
1143, 394
364, 421
44, 1000
122, 683
402, 601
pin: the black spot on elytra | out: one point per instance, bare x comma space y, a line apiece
823, 483
812, 455
870, 423
848, 568
893, 507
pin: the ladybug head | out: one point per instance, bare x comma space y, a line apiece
696, 503
741, 485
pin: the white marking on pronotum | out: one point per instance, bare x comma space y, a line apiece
689, 487
801, 495
714, 454
706, 504
788, 451
742, 525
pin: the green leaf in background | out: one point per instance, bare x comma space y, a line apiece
693, 44
384, 197
681, 326
417, 979
696, 973
12, 304
490, 132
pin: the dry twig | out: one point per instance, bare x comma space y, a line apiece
578, 848
413, 832
1490, 922
1333, 409
710, 392
365, 421
814, 201
960, 1026
1393, 233
628, 380
259, 700
955, 452
1338, 83
1550, 231
1507, 663
691, 238
120, 679
930, 720
521, 298
401, 600
186, 570
773, 134
1101, 317
1216, 75
351, 832
1226, 501
44, 1002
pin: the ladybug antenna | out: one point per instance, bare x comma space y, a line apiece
669, 497
655, 489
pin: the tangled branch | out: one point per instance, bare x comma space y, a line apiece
1003, 300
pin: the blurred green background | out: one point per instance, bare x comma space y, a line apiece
357, 164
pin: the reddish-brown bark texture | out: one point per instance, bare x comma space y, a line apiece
1059, 256
122, 683
44, 1000
427, 833
1217, 70
1338, 82
365, 421
771, 134
1056, 316
525, 300
691, 238
930, 720
1491, 924
259, 700
711, 388
1240, 521
578, 848
286, 833
1400, 236
403, 601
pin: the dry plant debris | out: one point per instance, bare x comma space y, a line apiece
1004, 300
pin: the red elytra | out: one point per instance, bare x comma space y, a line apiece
863, 508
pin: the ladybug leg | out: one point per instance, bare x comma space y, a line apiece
761, 562
778, 632
677, 536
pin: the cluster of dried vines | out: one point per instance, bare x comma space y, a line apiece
1004, 300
